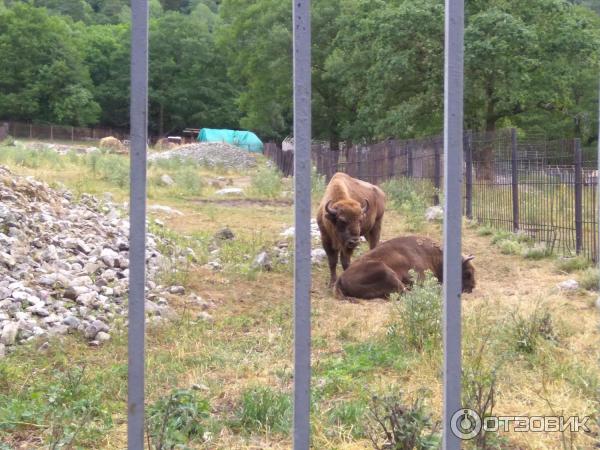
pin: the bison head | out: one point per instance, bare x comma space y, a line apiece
346, 216
468, 274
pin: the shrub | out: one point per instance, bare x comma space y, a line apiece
417, 315
527, 332
590, 279
509, 247
188, 179
538, 251
485, 230
114, 169
572, 264
411, 197
266, 182
401, 426
264, 409
176, 419
349, 415
503, 235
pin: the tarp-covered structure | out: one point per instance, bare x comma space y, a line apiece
243, 139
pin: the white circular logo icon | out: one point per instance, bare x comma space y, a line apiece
465, 424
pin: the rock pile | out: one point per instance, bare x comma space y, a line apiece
210, 154
64, 264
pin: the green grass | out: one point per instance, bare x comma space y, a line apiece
590, 279
411, 198
262, 408
266, 183
572, 264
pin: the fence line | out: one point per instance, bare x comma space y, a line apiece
62, 132
542, 188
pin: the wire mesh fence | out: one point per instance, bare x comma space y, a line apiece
542, 188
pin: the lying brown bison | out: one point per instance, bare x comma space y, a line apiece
350, 208
384, 270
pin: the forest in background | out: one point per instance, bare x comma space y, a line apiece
377, 66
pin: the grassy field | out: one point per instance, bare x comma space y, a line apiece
226, 383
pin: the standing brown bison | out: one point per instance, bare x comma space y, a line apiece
350, 208
384, 270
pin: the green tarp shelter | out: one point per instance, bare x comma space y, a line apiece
243, 139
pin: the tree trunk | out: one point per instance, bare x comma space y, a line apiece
161, 121
334, 143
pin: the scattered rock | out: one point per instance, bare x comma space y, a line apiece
177, 290
102, 336
568, 285
230, 191
211, 154
167, 180
9, 333
262, 261
224, 234
318, 256
434, 213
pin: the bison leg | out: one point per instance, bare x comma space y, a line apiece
332, 258
345, 258
374, 234
370, 279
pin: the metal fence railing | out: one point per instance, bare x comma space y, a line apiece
61, 132
543, 188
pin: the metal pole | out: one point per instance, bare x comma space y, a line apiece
578, 197
453, 152
302, 186
469, 175
137, 231
515, 178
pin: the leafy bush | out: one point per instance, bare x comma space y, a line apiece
418, 314
264, 409
69, 405
527, 332
485, 230
176, 419
349, 415
411, 197
402, 426
188, 179
590, 279
538, 251
572, 264
509, 247
266, 182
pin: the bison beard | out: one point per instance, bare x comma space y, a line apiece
385, 269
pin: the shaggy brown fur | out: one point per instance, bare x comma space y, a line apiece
350, 208
385, 269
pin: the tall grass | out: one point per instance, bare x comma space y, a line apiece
266, 183
411, 198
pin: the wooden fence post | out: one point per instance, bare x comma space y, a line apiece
468, 176
578, 197
391, 159
409, 155
515, 179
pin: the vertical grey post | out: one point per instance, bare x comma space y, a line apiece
137, 217
468, 176
436, 171
514, 164
409, 155
302, 185
453, 152
578, 197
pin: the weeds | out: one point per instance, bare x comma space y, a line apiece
411, 198
590, 279
527, 332
417, 316
266, 182
349, 415
572, 264
539, 251
401, 426
175, 420
264, 409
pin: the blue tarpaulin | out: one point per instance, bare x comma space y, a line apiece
243, 139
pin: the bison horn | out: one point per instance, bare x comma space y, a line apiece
468, 258
366, 207
330, 210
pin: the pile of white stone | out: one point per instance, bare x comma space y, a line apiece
64, 264
210, 154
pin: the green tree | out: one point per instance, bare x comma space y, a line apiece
42, 75
188, 77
